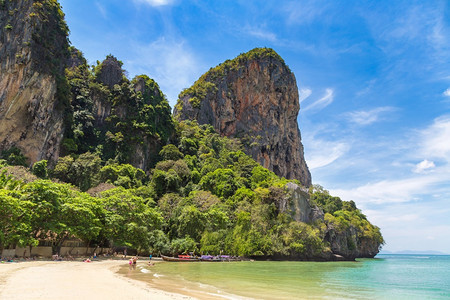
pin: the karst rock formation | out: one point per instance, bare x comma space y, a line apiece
253, 97
33, 53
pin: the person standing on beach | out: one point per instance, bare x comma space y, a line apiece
135, 258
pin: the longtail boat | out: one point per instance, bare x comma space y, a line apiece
210, 258
183, 258
218, 258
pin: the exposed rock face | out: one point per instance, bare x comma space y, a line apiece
129, 120
344, 244
111, 72
143, 153
253, 97
348, 245
33, 50
298, 204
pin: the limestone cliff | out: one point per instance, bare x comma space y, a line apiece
346, 240
298, 204
128, 121
33, 49
253, 97
350, 243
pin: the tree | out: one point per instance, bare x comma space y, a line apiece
217, 219
191, 222
183, 245
40, 169
14, 157
82, 171
303, 240
179, 166
128, 220
81, 215
159, 242
124, 175
213, 242
85, 170
171, 152
204, 200
262, 177
62, 170
323, 199
222, 182
15, 220
164, 182
46, 200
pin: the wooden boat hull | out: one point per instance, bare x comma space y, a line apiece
211, 260
177, 259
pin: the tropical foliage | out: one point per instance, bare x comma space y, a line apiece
204, 195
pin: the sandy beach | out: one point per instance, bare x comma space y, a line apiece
73, 280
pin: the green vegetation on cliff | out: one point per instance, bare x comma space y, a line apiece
204, 195
113, 116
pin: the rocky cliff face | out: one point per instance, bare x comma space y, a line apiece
124, 120
349, 244
298, 204
345, 242
33, 48
253, 97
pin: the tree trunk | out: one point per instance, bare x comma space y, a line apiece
87, 247
56, 247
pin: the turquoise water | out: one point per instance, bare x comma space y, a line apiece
385, 277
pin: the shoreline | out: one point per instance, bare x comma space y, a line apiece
75, 280
174, 285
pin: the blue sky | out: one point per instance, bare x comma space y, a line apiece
373, 77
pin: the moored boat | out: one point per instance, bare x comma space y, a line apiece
210, 258
184, 258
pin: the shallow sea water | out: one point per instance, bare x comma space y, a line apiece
385, 277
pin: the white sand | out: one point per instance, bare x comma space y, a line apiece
73, 280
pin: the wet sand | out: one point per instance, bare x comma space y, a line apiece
175, 284
74, 280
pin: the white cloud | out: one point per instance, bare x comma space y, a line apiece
322, 153
170, 63
367, 89
414, 38
303, 94
436, 139
400, 186
304, 12
101, 9
432, 142
424, 166
410, 225
322, 102
388, 191
156, 3
368, 117
262, 34
446, 93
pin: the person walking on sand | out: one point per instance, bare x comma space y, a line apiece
135, 258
